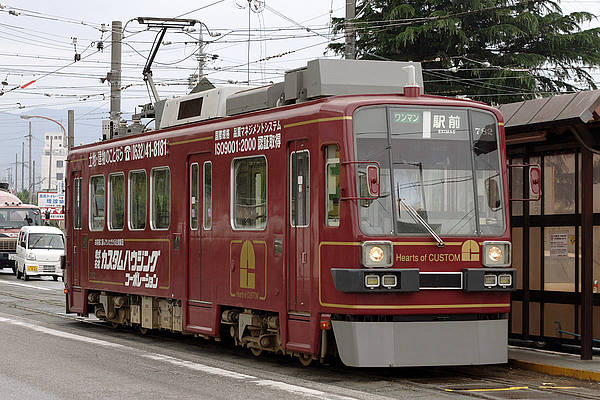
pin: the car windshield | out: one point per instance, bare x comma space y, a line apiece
440, 163
18, 217
46, 241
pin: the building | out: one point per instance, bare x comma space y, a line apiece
53, 163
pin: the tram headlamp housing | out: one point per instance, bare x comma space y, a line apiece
389, 281
496, 254
490, 280
377, 254
504, 280
372, 281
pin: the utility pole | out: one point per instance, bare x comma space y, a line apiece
50, 166
115, 74
350, 49
16, 172
22, 166
71, 129
30, 172
33, 184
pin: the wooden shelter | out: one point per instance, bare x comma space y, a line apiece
556, 240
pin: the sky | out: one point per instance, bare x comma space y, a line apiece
39, 40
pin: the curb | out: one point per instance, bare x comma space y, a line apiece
555, 370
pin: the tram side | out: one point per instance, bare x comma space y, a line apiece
306, 230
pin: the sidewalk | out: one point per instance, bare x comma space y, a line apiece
554, 363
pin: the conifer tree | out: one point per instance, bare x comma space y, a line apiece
496, 51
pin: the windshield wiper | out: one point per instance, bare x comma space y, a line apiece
415, 215
36, 242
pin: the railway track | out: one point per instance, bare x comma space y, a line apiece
494, 382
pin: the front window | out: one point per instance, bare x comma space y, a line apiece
442, 163
13, 218
46, 241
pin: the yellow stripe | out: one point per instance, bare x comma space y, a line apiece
108, 283
557, 387
500, 123
191, 140
145, 240
79, 159
314, 121
394, 243
489, 390
555, 370
412, 307
425, 243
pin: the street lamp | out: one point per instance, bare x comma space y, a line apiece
29, 117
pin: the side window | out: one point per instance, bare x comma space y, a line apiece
137, 200
97, 203
116, 201
160, 193
207, 208
194, 196
77, 203
249, 180
300, 188
332, 184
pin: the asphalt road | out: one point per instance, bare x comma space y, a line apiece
46, 354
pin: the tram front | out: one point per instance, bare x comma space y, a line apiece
434, 240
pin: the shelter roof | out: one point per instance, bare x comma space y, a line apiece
580, 107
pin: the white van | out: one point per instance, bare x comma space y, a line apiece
39, 252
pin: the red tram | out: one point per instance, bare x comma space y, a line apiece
310, 217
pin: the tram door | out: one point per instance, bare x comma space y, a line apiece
75, 253
299, 271
199, 221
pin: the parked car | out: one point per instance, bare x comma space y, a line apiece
39, 252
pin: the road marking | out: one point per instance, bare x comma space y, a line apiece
197, 367
489, 390
293, 389
24, 285
64, 335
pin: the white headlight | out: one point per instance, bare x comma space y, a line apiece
377, 254
31, 256
496, 254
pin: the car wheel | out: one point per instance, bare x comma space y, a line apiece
25, 276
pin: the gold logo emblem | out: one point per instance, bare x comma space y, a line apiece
247, 266
470, 251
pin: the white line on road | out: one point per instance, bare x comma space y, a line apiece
24, 285
293, 389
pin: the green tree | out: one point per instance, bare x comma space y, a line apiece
23, 196
496, 51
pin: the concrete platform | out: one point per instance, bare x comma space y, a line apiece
554, 363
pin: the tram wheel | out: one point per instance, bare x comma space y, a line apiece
305, 359
143, 331
255, 352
